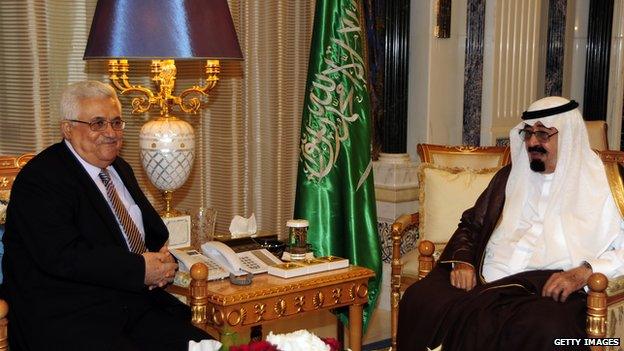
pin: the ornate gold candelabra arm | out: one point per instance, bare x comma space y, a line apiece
163, 76
192, 104
140, 104
213, 69
113, 69
118, 70
189, 105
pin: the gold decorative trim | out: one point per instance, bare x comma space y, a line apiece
299, 302
362, 291
352, 292
318, 299
198, 314
217, 317
426, 152
10, 167
505, 286
353, 274
236, 316
616, 184
280, 307
336, 292
396, 297
259, 310
7, 162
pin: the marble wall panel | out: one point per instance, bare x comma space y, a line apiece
473, 72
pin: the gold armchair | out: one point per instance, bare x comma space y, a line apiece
605, 301
450, 180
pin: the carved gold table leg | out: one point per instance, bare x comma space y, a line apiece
355, 327
4, 341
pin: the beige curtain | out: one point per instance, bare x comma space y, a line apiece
248, 134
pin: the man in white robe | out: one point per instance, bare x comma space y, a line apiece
511, 277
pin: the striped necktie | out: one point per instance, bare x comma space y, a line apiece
135, 241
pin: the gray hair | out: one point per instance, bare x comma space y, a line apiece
74, 94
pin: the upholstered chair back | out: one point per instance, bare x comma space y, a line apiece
9, 167
472, 157
451, 178
597, 133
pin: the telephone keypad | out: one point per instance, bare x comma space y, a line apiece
249, 263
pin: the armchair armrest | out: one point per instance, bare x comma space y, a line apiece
596, 326
426, 262
399, 227
4, 336
398, 230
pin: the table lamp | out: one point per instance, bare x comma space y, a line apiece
163, 31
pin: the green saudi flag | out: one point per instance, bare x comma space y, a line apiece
335, 191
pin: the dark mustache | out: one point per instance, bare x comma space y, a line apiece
537, 148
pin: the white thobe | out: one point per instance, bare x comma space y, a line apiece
525, 248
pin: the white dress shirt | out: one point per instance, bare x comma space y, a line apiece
122, 192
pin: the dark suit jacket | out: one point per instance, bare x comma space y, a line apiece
69, 276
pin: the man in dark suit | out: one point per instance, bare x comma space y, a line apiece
85, 251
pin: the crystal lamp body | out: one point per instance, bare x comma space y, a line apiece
167, 152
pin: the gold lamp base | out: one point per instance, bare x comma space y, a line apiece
169, 211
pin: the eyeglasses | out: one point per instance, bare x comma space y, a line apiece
100, 125
541, 136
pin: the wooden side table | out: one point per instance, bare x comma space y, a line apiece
220, 305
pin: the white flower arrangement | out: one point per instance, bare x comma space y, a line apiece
296, 341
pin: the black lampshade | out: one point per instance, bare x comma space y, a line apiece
162, 29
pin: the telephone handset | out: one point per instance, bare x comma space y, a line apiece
222, 260
188, 257
254, 261
224, 255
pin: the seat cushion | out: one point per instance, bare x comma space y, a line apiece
410, 264
445, 193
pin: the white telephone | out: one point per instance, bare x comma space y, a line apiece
222, 260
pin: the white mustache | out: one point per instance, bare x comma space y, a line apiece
107, 140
